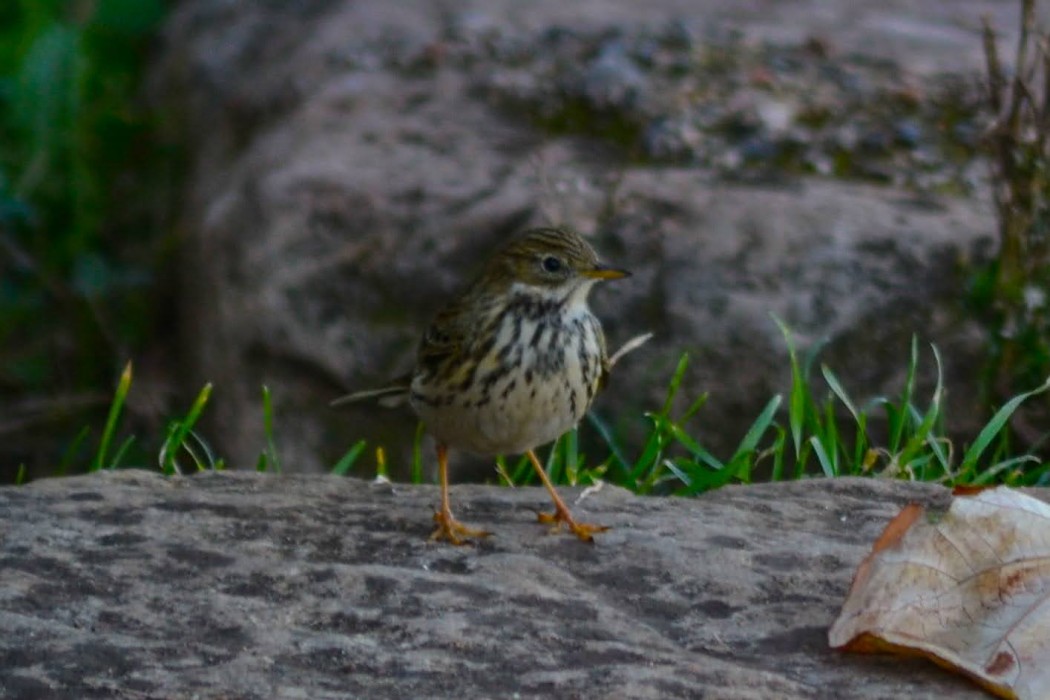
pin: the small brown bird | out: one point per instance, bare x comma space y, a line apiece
512, 363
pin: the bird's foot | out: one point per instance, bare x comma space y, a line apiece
562, 516
453, 531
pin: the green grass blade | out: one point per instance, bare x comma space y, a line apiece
179, 429
271, 447
684, 439
657, 474
826, 464
988, 475
71, 452
694, 407
860, 444
694, 448
609, 439
192, 446
797, 399
676, 382
925, 422
346, 462
899, 417
521, 475
501, 471
165, 460
196, 447
553, 464
416, 472
809, 358
802, 460
758, 428
840, 393
743, 460
571, 456
936, 445
119, 456
830, 436
995, 425
681, 474
123, 386
777, 448
209, 461
653, 449
698, 478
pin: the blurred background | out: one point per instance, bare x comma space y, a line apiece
86, 243
259, 205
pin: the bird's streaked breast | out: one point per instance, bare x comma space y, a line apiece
533, 380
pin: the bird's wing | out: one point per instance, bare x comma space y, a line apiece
446, 335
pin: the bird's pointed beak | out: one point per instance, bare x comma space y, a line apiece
603, 272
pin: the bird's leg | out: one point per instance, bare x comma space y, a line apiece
561, 514
448, 528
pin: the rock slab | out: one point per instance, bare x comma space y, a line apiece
238, 585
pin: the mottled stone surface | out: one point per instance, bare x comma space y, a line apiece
130, 585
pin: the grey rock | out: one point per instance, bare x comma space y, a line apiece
612, 78
131, 585
346, 174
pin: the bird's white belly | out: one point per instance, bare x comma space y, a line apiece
523, 420
546, 396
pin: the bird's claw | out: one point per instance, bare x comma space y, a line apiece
453, 531
585, 531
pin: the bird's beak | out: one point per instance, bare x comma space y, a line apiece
601, 272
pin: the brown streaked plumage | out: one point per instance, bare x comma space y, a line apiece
512, 362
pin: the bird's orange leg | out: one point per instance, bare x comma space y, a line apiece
561, 514
448, 528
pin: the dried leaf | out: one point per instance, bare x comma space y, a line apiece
969, 589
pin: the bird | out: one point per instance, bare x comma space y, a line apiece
510, 364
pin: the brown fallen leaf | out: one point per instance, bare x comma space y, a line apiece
968, 588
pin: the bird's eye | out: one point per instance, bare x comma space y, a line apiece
551, 264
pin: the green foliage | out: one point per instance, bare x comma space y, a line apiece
70, 71
824, 433
180, 439
78, 163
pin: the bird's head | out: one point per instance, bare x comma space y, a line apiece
552, 262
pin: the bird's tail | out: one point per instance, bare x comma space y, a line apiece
391, 396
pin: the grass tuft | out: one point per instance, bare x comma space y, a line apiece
821, 431
825, 432
180, 437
